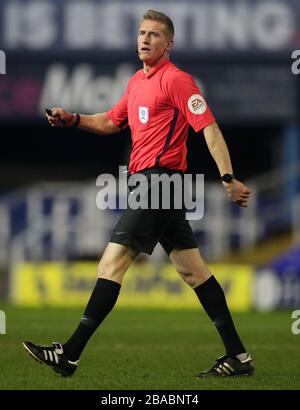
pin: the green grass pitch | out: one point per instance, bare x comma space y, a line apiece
138, 349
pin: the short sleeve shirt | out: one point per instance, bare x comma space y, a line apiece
159, 106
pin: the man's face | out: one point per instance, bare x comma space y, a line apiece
153, 43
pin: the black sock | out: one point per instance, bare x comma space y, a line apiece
213, 300
102, 300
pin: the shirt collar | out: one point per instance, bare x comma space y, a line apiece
154, 69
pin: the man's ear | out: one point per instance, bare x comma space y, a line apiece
169, 45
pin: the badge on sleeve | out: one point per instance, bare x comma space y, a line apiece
144, 114
197, 104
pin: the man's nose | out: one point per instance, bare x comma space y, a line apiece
146, 38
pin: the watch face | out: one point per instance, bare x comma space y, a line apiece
227, 178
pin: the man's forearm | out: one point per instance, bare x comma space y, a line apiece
218, 148
96, 123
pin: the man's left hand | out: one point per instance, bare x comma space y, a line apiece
238, 192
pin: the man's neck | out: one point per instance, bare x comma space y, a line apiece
148, 67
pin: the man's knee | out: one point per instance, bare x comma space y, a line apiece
190, 278
190, 265
112, 268
107, 269
115, 262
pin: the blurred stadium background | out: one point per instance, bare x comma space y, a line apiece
79, 55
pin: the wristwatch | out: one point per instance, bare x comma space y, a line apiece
227, 178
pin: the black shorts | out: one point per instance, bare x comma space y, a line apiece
141, 229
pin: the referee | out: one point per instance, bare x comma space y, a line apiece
160, 103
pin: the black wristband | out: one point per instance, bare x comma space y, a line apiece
77, 120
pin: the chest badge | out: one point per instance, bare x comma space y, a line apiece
144, 114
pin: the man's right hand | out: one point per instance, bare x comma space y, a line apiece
61, 118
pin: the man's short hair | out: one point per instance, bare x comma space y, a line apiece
162, 18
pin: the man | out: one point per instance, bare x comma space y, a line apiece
160, 103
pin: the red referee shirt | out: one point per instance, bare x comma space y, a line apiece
159, 106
